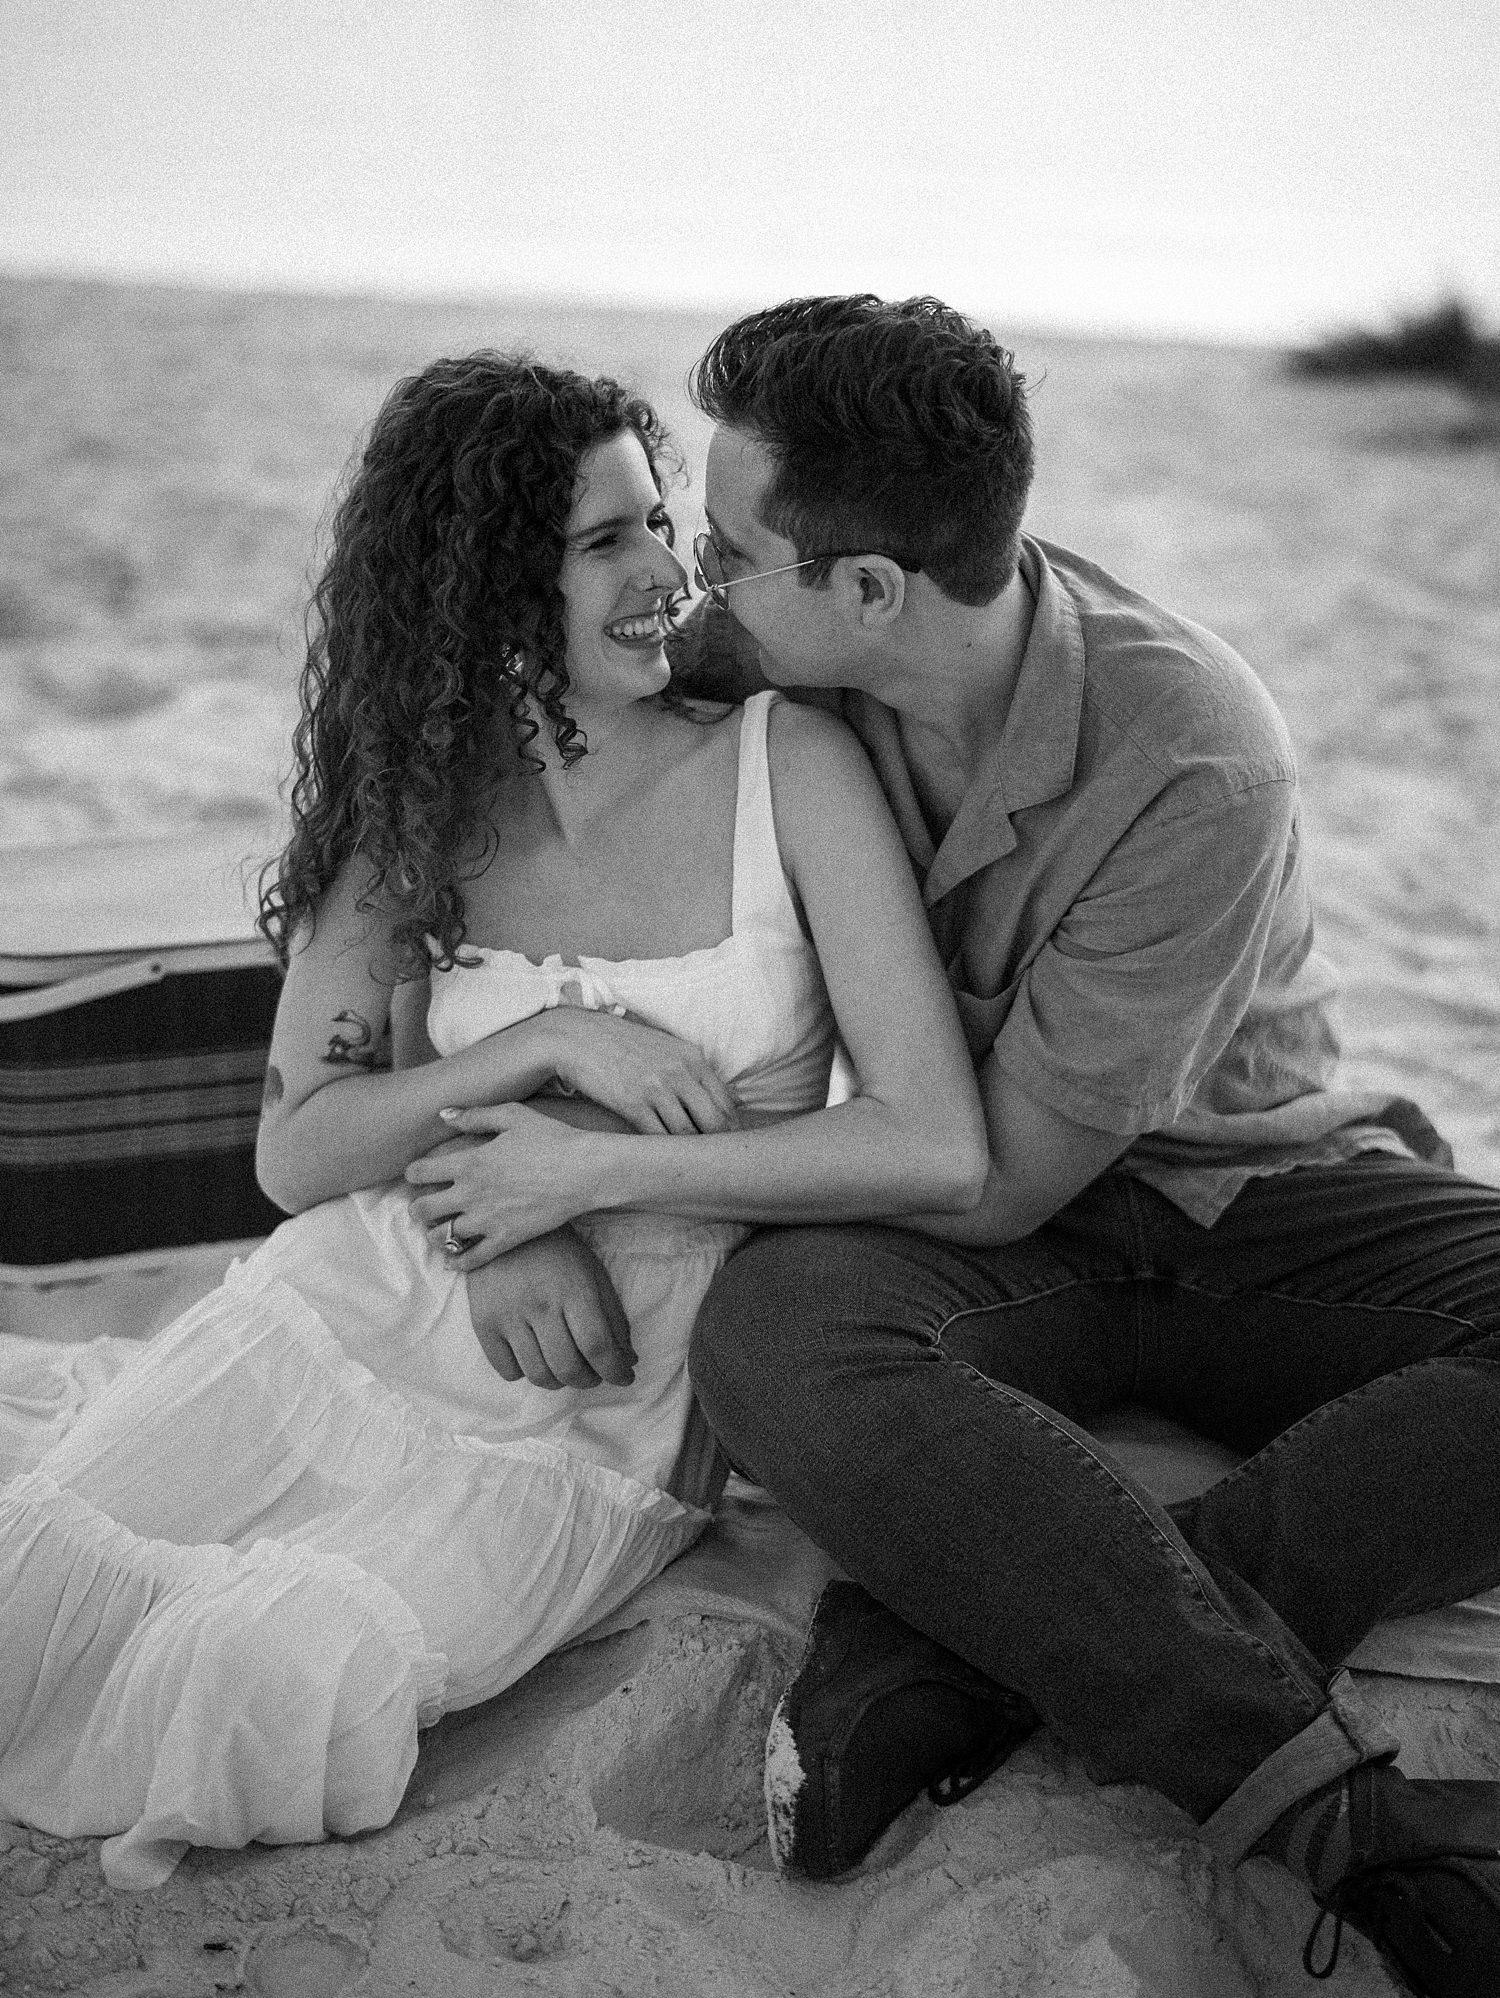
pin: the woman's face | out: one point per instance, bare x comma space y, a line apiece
618, 574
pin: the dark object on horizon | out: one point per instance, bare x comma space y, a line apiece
1444, 343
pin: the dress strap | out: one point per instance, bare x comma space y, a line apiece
762, 897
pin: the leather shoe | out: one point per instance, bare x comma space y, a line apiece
1423, 1881
876, 1713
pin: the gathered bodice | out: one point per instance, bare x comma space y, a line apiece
755, 1003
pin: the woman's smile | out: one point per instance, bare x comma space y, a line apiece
643, 631
619, 577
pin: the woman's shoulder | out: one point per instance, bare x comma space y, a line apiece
822, 785
807, 730
352, 911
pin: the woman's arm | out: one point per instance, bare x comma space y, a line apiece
353, 1085
336, 1114
912, 1141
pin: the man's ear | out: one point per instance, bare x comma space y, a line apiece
881, 584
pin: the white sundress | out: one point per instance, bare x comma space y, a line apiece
245, 1562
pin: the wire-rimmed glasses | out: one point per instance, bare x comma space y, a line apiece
708, 567
709, 575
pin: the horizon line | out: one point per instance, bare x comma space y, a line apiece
679, 302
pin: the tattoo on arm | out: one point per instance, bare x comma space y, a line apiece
275, 1088
356, 1046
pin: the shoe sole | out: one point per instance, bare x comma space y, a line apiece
785, 1783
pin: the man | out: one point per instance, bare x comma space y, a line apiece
1182, 1209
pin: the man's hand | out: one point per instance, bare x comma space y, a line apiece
549, 1313
655, 1081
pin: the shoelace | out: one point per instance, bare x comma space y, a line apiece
1334, 1906
1343, 1893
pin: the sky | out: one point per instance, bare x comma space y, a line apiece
1200, 167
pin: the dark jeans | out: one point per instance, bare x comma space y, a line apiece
921, 1411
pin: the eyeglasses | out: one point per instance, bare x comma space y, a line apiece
708, 567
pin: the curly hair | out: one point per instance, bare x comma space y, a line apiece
436, 623
901, 428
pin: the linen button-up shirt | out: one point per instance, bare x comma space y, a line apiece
1121, 898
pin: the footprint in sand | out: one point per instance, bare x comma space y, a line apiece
674, 1757
526, 1925
304, 1965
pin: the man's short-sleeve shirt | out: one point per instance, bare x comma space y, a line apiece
1121, 900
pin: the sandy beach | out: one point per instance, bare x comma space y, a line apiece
599, 1837
597, 1833
597, 1830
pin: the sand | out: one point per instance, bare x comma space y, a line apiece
597, 1832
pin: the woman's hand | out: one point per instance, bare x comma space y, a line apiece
656, 1082
533, 1176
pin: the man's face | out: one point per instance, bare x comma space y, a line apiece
802, 633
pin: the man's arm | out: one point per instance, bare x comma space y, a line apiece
1038, 1161
913, 1137
1129, 1003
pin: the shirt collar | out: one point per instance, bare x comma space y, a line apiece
1032, 761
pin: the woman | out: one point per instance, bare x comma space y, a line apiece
325, 1505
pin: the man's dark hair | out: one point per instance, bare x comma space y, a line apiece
897, 428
